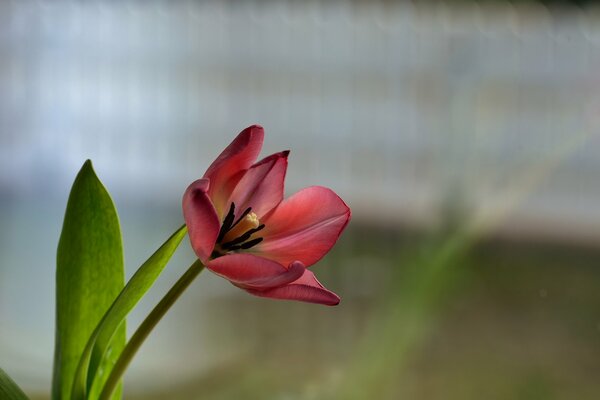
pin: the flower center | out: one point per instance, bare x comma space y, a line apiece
250, 221
237, 235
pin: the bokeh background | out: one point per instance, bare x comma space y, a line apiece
464, 135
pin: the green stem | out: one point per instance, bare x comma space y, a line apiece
146, 327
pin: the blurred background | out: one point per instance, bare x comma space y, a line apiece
464, 136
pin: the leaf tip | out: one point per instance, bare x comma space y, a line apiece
87, 170
87, 165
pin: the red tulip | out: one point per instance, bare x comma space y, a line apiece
241, 228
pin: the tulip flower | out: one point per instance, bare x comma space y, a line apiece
243, 230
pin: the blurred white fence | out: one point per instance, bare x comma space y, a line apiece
398, 107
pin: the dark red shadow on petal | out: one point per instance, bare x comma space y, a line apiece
201, 218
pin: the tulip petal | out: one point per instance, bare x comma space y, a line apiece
303, 227
226, 170
306, 288
261, 187
252, 272
201, 218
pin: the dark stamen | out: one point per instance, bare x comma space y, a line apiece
247, 245
241, 217
227, 222
243, 237
251, 243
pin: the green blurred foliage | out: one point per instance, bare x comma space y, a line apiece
444, 315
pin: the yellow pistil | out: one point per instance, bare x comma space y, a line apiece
250, 221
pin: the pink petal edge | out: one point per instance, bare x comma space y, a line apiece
306, 288
303, 227
252, 272
227, 169
201, 218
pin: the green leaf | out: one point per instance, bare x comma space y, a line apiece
89, 276
137, 286
9, 389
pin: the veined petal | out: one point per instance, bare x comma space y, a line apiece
303, 227
306, 288
225, 172
261, 187
201, 218
252, 272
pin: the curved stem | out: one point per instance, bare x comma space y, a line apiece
146, 327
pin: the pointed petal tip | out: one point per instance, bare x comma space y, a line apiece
253, 132
273, 158
306, 289
333, 300
262, 186
253, 135
227, 169
199, 185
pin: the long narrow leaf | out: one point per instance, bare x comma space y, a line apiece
137, 286
89, 276
9, 389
